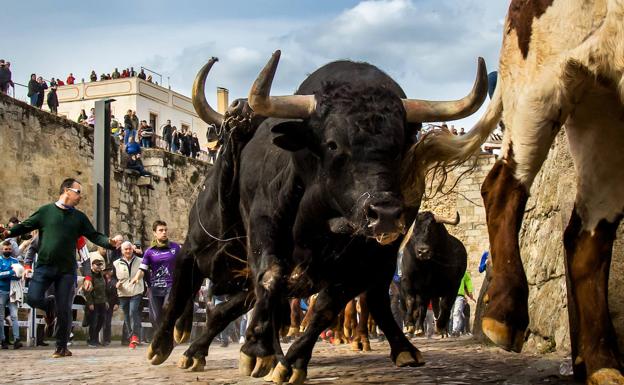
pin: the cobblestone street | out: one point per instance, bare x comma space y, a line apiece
456, 361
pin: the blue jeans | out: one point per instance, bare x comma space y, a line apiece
158, 297
129, 132
146, 142
131, 307
4, 301
64, 290
33, 99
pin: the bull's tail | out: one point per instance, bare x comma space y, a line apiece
442, 150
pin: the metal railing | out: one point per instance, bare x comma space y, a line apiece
153, 72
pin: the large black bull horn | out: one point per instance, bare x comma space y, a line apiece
203, 109
438, 111
447, 221
287, 107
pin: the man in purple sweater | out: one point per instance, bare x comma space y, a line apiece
159, 260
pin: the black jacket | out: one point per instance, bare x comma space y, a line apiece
166, 133
52, 99
33, 87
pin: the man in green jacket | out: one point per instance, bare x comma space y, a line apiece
60, 225
465, 290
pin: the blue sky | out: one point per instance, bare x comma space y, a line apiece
428, 46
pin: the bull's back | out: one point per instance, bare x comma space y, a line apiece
537, 35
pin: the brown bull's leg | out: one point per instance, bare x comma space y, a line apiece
594, 343
362, 325
295, 318
506, 317
350, 325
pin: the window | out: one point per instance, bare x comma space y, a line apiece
153, 119
184, 127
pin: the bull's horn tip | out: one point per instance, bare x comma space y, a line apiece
277, 53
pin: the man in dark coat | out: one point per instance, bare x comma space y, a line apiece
53, 102
166, 134
41, 91
5, 77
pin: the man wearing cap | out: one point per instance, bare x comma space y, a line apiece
60, 224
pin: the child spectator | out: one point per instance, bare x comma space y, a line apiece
7, 274
113, 303
97, 301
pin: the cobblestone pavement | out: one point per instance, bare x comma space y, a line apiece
456, 361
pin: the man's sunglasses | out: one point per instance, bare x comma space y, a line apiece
77, 191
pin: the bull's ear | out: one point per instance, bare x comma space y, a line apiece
290, 135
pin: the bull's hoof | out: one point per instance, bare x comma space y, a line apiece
280, 374
181, 336
419, 333
502, 335
263, 366
292, 332
269, 377
298, 377
410, 329
185, 362
198, 364
156, 358
409, 359
356, 346
246, 364
606, 376
366, 345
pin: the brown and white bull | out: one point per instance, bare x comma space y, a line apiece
561, 63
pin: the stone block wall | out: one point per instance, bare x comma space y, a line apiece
39, 150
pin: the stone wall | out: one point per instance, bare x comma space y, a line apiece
39, 150
541, 245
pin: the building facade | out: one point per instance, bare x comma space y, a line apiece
152, 102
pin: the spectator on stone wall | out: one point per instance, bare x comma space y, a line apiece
175, 140
116, 74
166, 135
130, 293
135, 163
132, 72
133, 148
195, 149
71, 79
53, 102
125, 73
59, 82
53, 82
91, 119
185, 142
82, 117
142, 75
93, 76
146, 133
41, 91
5, 77
33, 90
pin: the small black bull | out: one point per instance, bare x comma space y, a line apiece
433, 265
320, 193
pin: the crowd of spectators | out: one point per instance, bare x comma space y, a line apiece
119, 278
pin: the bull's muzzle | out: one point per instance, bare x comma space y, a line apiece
385, 222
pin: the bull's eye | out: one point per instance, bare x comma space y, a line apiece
332, 146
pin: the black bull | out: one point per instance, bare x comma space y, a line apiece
311, 199
432, 266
